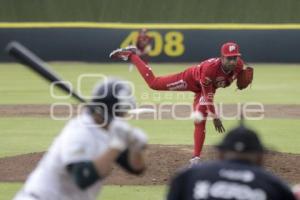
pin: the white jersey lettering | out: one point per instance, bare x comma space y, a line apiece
227, 190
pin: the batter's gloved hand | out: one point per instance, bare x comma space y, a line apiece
244, 78
120, 132
138, 139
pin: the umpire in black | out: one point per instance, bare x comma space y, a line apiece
236, 175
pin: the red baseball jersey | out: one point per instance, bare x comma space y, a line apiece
212, 74
209, 75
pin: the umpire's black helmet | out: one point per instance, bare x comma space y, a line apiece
241, 139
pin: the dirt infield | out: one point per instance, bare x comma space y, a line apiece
162, 162
163, 111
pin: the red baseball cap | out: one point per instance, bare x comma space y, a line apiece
230, 49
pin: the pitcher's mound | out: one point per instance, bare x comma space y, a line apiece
162, 162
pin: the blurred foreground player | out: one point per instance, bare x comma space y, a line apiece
203, 79
89, 145
237, 175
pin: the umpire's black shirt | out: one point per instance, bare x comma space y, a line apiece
228, 180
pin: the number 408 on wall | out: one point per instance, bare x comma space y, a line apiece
171, 43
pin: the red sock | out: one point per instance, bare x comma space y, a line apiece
199, 137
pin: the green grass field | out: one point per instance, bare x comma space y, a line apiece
276, 83
273, 84
8, 190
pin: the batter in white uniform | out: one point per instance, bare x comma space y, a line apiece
87, 148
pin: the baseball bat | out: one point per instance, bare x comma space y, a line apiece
29, 59
32, 61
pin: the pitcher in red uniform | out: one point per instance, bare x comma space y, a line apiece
203, 79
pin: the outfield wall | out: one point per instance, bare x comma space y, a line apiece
93, 42
154, 11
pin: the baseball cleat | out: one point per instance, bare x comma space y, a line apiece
194, 161
123, 53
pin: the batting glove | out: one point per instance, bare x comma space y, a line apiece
119, 134
138, 139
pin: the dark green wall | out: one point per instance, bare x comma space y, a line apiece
140, 11
95, 44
